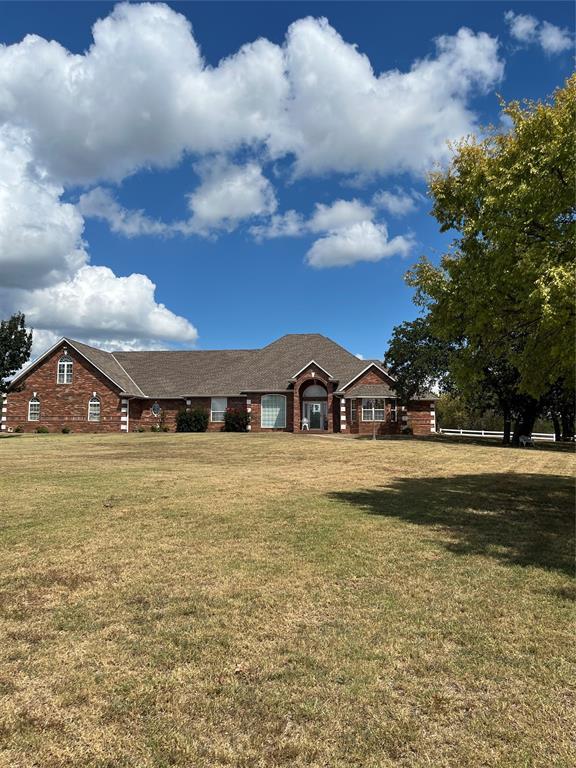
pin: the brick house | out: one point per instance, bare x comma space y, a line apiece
298, 382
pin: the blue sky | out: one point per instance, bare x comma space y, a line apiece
282, 191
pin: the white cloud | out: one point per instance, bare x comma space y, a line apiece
96, 303
228, 195
289, 224
363, 241
44, 265
343, 117
528, 29
397, 202
142, 96
350, 231
522, 26
341, 213
554, 39
99, 203
40, 237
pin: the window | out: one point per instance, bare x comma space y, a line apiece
353, 409
273, 411
94, 408
218, 408
372, 409
65, 370
393, 409
34, 409
156, 410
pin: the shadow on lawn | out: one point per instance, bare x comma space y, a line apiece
520, 519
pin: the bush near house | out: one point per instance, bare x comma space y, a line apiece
236, 420
194, 420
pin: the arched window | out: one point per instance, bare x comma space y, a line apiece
156, 410
34, 409
273, 412
314, 390
94, 408
65, 369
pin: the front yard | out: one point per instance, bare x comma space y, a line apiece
274, 600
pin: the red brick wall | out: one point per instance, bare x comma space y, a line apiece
64, 405
141, 411
303, 380
420, 417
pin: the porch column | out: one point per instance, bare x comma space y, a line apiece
342, 414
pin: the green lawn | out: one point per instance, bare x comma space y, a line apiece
245, 600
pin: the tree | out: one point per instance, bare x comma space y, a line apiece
418, 360
505, 290
15, 346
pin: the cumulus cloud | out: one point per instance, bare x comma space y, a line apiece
341, 213
343, 117
351, 234
40, 237
363, 241
100, 203
96, 303
227, 195
44, 267
397, 202
528, 29
142, 95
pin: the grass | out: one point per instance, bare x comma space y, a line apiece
245, 600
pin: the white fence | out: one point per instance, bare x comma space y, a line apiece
490, 433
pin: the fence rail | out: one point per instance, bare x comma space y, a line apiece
490, 433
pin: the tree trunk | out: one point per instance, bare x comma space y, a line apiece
525, 422
567, 426
507, 426
557, 427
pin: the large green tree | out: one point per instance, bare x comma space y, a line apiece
505, 290
15, 346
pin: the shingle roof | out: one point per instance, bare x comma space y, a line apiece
370, 390
190, 372
156, 374
232, 372
108, 364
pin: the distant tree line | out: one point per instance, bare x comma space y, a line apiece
497, 330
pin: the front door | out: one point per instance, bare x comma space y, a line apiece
315, 413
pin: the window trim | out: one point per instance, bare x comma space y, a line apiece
95, 398
218, 410
67, 364
34, 399
276, 426
373, 409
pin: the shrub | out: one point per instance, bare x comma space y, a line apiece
42, 431
194, 420
66, 430
140, 429
407, 431
236, 420
155, 428
19, 429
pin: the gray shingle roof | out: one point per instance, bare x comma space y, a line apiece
370, 390
107, 363
197, 373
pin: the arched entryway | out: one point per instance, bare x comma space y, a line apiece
314, 406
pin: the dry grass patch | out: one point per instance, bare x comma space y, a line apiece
245, 600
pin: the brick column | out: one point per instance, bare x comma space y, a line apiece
343, 424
